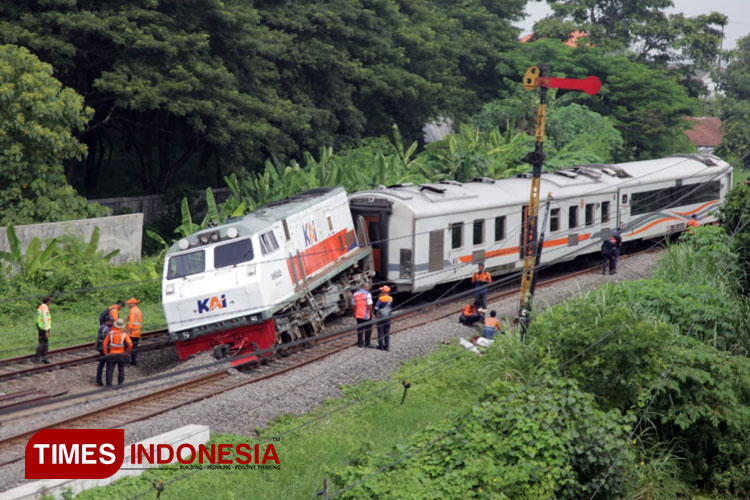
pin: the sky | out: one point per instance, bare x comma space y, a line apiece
736, 10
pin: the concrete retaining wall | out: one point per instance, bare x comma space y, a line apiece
123, 232
152, 206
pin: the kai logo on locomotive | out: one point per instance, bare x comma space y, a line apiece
212, 303
310, 234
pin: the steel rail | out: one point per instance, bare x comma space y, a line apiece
202, 387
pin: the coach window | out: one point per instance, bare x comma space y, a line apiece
499, 228
589, 215
479, 231
624, 199
457, 235
605, 212
554, 220
573, 217
330, 223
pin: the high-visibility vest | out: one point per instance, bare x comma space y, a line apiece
384, 306
470, 310
135, 318
485, 276
361, 309
693, 223
43, 318
115, 342
113, 312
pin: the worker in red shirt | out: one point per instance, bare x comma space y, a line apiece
117, 346
362, 301
481, 279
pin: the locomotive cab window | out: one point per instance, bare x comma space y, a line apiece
554, 220
478, 231
457, 235
499, 228
233, 253
268, 243
573, 217
589, 215
186, 264
605, 212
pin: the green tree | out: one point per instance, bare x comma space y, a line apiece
643, 27
648, 105
735, 105
181, 87
573, 132
37, 120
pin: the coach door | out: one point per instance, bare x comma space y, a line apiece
375, 213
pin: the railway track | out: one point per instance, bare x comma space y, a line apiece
22, 366
205, 386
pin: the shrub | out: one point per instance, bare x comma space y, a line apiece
545, 441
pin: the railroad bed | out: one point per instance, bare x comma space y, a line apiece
206, 385
23, 366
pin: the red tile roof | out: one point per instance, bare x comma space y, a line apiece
706, 131
570, 42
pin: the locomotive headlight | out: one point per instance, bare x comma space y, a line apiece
251, 270
170, 289
183, 244
232, 232
215, 236
203, 238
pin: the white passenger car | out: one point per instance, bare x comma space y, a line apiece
425, 235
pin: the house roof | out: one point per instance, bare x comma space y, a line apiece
572, 41
705, 131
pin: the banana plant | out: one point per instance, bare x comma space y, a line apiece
34, 259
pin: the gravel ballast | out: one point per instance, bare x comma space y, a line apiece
245, 409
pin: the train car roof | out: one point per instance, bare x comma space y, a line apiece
435, 199
265, 216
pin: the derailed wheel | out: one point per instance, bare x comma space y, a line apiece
221, 351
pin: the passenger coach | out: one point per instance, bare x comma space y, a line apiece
428, 234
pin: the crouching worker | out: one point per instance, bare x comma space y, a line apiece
492, 325
471, 314
117, 346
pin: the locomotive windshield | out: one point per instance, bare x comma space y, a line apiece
186, 264
233, 253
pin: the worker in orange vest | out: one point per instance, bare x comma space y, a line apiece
133, 328
383, 309
471, 314
112, 311
480, 280
491, 325
43, 326
362, 301
117, 346
693, 222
